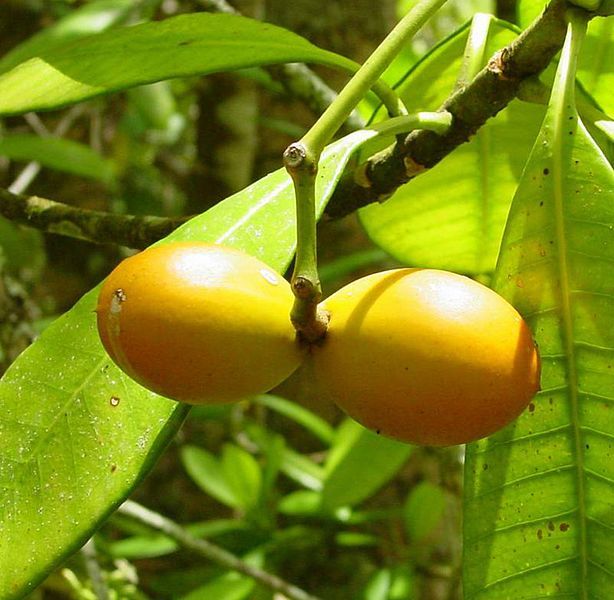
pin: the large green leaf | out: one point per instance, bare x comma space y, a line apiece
193, 44
76, 434
59, 154
539, 496
453, 216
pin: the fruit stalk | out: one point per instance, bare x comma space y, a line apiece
309, 323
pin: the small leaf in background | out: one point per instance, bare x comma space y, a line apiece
395, 583
403, 585
156, 113
181, 46
538, 495
230, 585
378, 586
58, 154
242, 472
302, 503
298, 467
273, 452
355, 539
207, 472
423, 510
311, 422
360, 462
452, 216
302, 470
150, 546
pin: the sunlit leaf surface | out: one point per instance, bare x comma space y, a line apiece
193, 44
453, 216
539, 496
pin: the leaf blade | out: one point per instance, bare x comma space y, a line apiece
452, 216
181, 46
59, 154
536, 520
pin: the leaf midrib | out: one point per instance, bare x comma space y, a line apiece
566, 94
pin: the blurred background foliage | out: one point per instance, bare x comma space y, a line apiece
281, 484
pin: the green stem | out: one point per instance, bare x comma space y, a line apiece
475, 49
368, 74
439, 122
301, 161
302, 167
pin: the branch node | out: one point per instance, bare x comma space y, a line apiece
295, 156
412, 168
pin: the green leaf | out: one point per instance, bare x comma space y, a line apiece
206, 471
181, 46
314, 424
539, 494
395, 583
360, 462
231, 585
91, 18
70, 452
150, 546
452, 216
423, 510
59, 154
355, 539
242, 472
301, 503
378, 586
302, 470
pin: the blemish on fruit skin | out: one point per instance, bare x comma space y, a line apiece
114, 401
113, 468
269, 276
119, 297
531, 407
564, 527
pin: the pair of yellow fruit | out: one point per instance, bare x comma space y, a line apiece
421, 355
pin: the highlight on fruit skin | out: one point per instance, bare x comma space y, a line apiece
199, 323
426, 356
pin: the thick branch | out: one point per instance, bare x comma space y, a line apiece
91, 225
491, 91
210, 551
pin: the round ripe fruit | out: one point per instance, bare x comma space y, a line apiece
426, 356
199, 323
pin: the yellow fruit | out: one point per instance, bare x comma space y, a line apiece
199, 323
426, 356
